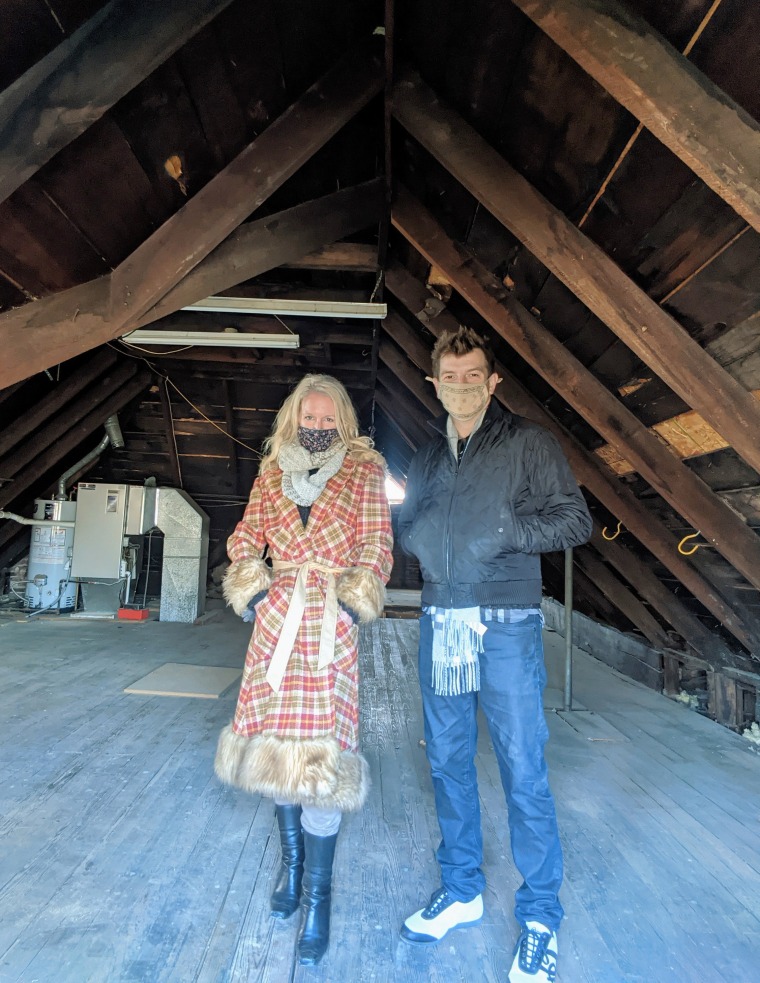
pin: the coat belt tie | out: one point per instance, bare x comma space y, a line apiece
294, 616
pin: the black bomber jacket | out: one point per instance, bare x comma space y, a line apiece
478, 528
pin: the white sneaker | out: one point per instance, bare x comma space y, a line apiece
535, 958
429, 925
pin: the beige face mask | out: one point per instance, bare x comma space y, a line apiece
463, 401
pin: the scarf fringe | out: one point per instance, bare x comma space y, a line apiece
456, 645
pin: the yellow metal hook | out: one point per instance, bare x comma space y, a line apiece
616, 534
692, 535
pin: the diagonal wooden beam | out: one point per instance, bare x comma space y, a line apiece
57, 328
623, 599
72, 87
582, 266
356, 257
254, 175
640, 577
53, 453
668, 475
589, 471
269, 242
687, 112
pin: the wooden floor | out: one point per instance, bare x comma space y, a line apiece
123, 858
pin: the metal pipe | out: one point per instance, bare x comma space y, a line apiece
568, 701
113, 436
36, 522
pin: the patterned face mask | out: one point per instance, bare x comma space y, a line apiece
463, 402
316, 440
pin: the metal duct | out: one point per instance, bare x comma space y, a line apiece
113, 436
183, 572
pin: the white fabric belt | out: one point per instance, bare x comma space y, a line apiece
294, 616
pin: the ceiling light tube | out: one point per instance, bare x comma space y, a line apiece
211, 339
300, 308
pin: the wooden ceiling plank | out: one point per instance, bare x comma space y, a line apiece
588, 470
687, 112
58, 327
685, 492
582, 266
254, 175
59, 97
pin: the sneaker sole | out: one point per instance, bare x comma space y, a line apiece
416, 938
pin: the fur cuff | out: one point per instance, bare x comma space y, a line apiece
242, 580
309, 772
362, 591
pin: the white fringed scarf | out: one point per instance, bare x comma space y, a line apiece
457, 643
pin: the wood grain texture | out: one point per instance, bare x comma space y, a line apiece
128, 860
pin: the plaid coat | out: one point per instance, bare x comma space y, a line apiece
349, 526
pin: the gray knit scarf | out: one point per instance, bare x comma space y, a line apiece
296, 462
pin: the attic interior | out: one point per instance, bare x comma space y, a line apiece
493, 172
578, 181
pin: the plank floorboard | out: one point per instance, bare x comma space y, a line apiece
124, 860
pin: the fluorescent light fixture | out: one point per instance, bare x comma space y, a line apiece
211, 339
300, 308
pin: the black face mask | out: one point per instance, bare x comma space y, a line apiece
316, 440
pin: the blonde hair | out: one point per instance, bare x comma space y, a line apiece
285, 429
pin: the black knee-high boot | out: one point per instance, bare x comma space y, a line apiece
314, 933
287, 892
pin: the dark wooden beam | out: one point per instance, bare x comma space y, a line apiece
355, 257
623, 599
254, 175
59, 97
687, 112
59, 423
404, 408
405, 372
582, 266
678, 485
269, 242
55, 401
73, 437
704, 642
404, 423
588, 469
584, 589
57, 328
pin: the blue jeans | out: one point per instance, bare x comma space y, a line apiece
512, 679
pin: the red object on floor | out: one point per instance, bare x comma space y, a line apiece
133, 614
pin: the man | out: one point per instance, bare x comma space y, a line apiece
484, 499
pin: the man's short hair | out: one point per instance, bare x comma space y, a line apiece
461, 341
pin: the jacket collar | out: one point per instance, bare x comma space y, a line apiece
494, 411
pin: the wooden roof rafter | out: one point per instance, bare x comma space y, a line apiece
590, 472
583, 267
684, 491
687, 112
58, 98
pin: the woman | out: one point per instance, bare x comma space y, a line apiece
319, 508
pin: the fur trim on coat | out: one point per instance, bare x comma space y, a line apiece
309, 772
243, 580
363, 591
